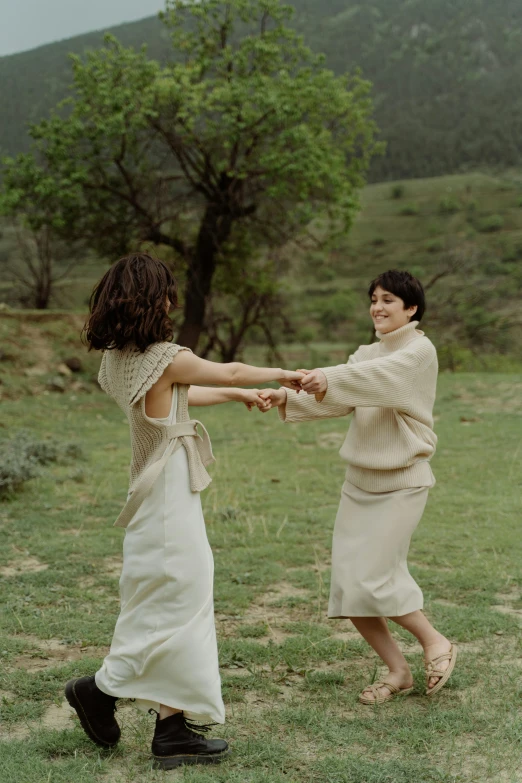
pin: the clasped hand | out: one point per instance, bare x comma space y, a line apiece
309, 381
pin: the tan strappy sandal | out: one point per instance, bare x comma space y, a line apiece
432, 670
379, 698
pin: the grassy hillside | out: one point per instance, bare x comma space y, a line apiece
468, 224
445, 76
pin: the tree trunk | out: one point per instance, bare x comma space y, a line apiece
214, 230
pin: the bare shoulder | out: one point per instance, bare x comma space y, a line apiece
181, 358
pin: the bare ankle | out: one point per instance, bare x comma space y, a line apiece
166, 712
435, 641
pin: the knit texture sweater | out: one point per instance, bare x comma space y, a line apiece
390, 389
127, 375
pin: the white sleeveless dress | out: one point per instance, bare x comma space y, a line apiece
164, 649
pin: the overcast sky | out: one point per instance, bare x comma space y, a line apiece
25, 24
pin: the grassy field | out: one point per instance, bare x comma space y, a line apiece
290, 676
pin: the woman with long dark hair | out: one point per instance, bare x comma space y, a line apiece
164, 652
389, 389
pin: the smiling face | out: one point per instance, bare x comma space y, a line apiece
388, 312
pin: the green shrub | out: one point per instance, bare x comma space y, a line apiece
490, 224
410, 209
519, 202
335, 309
448, 205
15, 468
378, 241
398, 190
306, 334
511, 250
434, 245
21, 458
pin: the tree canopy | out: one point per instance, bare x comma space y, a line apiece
231, 149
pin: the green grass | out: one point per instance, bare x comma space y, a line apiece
290, 676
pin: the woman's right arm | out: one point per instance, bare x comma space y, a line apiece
189, 369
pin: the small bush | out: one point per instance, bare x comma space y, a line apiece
490, 224
306, 334
434, 246
398, 190
519, 202
511, 250
378, 241
409, 210
22, 458
449, 205
335, 309
15, 468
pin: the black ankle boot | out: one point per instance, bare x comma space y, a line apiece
95, 710
177, 742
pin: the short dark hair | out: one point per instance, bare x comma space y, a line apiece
129, 304
403, 285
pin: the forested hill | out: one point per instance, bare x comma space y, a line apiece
446, 76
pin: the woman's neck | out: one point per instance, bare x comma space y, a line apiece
399, 337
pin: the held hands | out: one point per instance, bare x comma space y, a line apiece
273, 398
254, 397
291, 380
314, 382
309, 381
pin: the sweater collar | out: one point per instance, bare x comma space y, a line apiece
397, 339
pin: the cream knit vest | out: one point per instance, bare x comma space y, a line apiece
390, 389
127, 375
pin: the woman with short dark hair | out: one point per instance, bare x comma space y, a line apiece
389, 388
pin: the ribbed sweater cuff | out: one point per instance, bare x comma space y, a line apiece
333, 376
304, 407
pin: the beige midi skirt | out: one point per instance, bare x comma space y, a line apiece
371, 539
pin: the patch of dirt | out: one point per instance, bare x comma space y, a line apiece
112, 565
58, 716
507, 601
347, 636
503, 609
51, 652
265, 611
26, 565
40, 350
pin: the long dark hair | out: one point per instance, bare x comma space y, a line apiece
129, 305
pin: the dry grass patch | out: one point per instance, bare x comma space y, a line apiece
47, 653
25, 565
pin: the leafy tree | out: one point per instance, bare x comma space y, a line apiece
242, 140
39, 258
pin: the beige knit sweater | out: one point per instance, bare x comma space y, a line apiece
127, 375
390, 389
